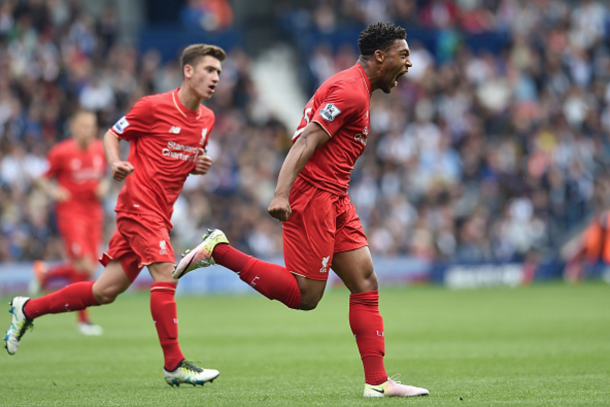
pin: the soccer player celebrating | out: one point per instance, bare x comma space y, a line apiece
168, 135
321, 229
78, 166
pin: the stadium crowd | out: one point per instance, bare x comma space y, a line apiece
486, 155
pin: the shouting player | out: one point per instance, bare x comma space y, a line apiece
78, 167
321, 229
168, 135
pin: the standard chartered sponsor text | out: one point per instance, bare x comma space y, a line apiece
177, 151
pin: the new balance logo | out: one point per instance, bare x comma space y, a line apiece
175, 130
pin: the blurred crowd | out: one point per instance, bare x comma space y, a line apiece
475, 156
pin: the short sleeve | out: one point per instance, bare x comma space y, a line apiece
136, 122
336, 108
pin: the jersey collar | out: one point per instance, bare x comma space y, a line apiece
183, 110
365, 77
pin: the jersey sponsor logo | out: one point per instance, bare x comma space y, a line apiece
175, 130
163, 247
120, 126
329, 112
180, 151
324, 268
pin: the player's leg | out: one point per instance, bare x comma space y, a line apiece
308, 246
85, 265
271, 280
73, 297
163, 310
43, 273
355, 268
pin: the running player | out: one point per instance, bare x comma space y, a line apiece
78, 167
168, 135
321, 229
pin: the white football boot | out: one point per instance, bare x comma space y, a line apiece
187, 372
200, 256
19, 324
393, 388
89, 329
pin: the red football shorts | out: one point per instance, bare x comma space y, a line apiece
81, 235
137, 242
321, 225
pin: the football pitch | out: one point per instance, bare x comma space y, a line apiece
543, 345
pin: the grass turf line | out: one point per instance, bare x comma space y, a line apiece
535, 346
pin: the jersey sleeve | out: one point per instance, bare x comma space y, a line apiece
135, 123
336, 108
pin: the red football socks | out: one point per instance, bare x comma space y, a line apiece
367, 327
63, 270
165, 317
229, 257
273, 281
74, 297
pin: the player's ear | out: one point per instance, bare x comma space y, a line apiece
187, 71
379, 56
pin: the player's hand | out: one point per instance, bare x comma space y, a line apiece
280, 208
61, 194
202, 163
120, 170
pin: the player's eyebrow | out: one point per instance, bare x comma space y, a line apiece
213, 68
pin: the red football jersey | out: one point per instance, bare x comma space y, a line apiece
80, 172
164, 140
341, 106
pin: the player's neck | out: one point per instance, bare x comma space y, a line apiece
82, 146
188, 99
370, 71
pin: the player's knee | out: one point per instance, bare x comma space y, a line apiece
310, 302
308, 305
105, 295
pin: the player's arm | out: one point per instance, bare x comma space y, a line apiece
312, 138
119, 169
55, 191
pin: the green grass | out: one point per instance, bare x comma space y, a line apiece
545, 345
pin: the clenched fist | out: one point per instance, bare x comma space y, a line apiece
120, 170
280, 209
202, 163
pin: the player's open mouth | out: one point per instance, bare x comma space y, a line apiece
398, 76
212, 88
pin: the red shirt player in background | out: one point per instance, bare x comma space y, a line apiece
168, 135
78, 165
321, 229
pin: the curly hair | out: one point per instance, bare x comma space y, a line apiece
379, 36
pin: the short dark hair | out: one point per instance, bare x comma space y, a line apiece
379, 36
192, 53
